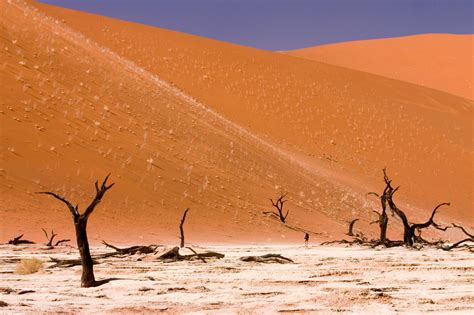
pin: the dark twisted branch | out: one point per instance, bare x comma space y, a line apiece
100, 191
470, 238
73, 209
409, 237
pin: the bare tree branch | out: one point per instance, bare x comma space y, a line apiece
73, 209
100, 191
464, 230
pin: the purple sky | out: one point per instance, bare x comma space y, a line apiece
289, 24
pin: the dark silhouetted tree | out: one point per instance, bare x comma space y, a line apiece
80, 224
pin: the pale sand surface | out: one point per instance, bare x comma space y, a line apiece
323, 279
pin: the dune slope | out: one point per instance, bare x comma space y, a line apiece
441, 61
341, 123
228, 128
72, 111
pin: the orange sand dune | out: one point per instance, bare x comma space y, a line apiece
83, 95
440, 61
73, 111
350, 122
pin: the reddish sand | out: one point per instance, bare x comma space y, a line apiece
82, 96
440, 61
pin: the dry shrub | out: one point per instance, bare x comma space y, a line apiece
28, 266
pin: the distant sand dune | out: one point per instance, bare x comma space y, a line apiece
441, 61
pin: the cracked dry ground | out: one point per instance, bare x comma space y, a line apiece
322, 279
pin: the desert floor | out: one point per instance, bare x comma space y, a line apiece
323, 279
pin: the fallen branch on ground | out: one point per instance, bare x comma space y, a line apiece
17, 241
66, 263
138, 249
268, 258
173, 255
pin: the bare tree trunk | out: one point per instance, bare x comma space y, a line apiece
351, 227
181, 230
87, 278
382, 216
383, 223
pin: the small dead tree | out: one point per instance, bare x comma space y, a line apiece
80, 224
279, 206
181, 230
351, 227
50, 238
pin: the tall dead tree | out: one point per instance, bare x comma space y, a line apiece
409, 230
279, 206
80, 224
181, 230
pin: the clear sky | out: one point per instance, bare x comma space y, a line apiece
289, 24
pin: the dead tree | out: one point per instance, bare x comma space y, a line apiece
351, 227
279, 206
80, 224
181, 230
17, 240
50, 238
409, 237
